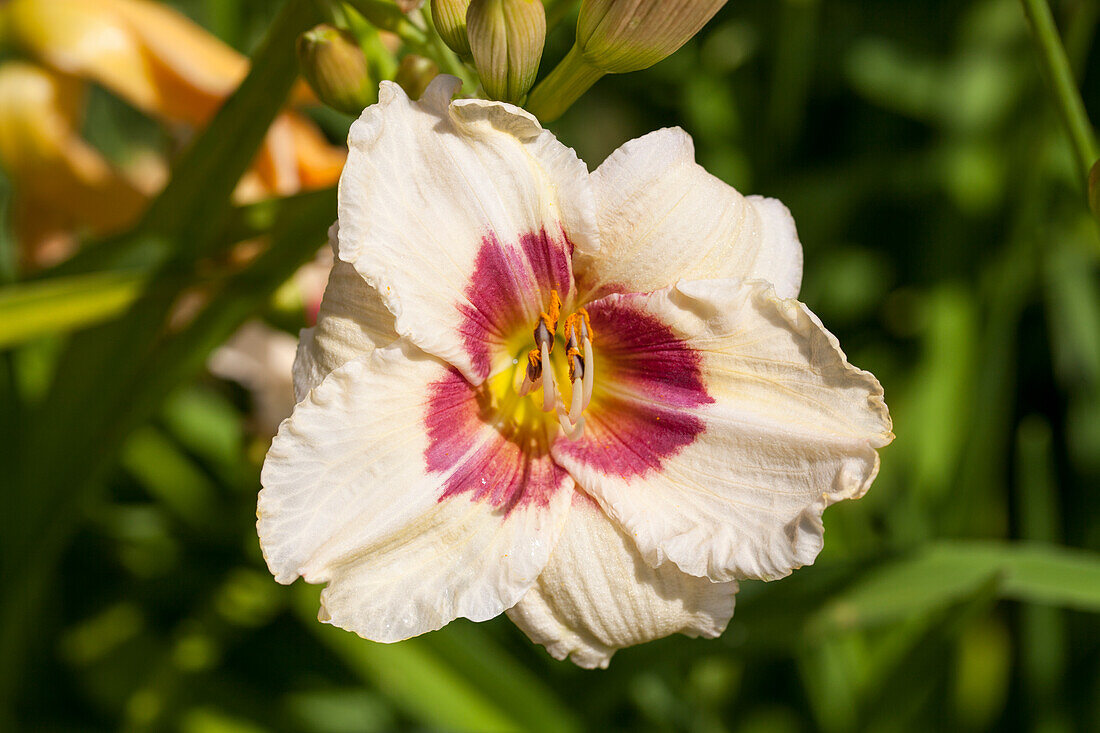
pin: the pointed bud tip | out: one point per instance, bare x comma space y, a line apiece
506, 40
618, 36
449, 17
334, 66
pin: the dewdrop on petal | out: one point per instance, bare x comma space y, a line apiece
506, 38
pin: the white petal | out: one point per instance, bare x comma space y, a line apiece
463, 215
597, 595
388, 485
729, 420
352, 321
663, 218
260, 357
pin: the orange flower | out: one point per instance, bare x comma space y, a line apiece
62, 184
160, 62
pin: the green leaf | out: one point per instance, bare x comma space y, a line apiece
419, 680
193, 206
206, 424
170, 475
30, 310
496, 673
949, 572
111, 379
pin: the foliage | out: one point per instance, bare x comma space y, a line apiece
947, 242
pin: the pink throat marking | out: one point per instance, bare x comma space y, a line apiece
507, 287
658, 382
631, 432
508, 467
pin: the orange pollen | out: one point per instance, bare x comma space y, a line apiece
575, 359
534, 364
548, 319
582, 314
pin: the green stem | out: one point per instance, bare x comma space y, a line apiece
387, 17
1056, 68
425, 43
562, 87
381, 62
448, 61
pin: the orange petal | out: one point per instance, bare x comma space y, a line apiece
150, 55
60, 180
319, 162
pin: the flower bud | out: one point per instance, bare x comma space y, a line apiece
336, 69
449, 17
506, 38
415, 73
619, 36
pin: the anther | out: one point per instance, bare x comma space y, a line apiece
532, 376
579, 328
578, 336
548, 321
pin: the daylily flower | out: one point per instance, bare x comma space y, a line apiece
173, 69
588, 400
62, 184
160, 62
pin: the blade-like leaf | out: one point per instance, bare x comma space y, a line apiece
948, 572
59, 305
417, 679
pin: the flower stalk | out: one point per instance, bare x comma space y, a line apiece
1063, 86
563, 86
618, 37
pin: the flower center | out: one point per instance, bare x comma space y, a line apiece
565, 374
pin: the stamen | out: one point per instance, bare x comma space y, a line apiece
549, 389
575, 404
532, 375
578, 332
589, 371
587, 334
548, 320
573, 429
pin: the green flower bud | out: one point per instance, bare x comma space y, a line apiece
506, 38
449, 17
619, 36
415, 73
336, 69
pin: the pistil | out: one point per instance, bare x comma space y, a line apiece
539, 370
578, 336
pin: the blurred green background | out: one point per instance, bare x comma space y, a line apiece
948, 245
